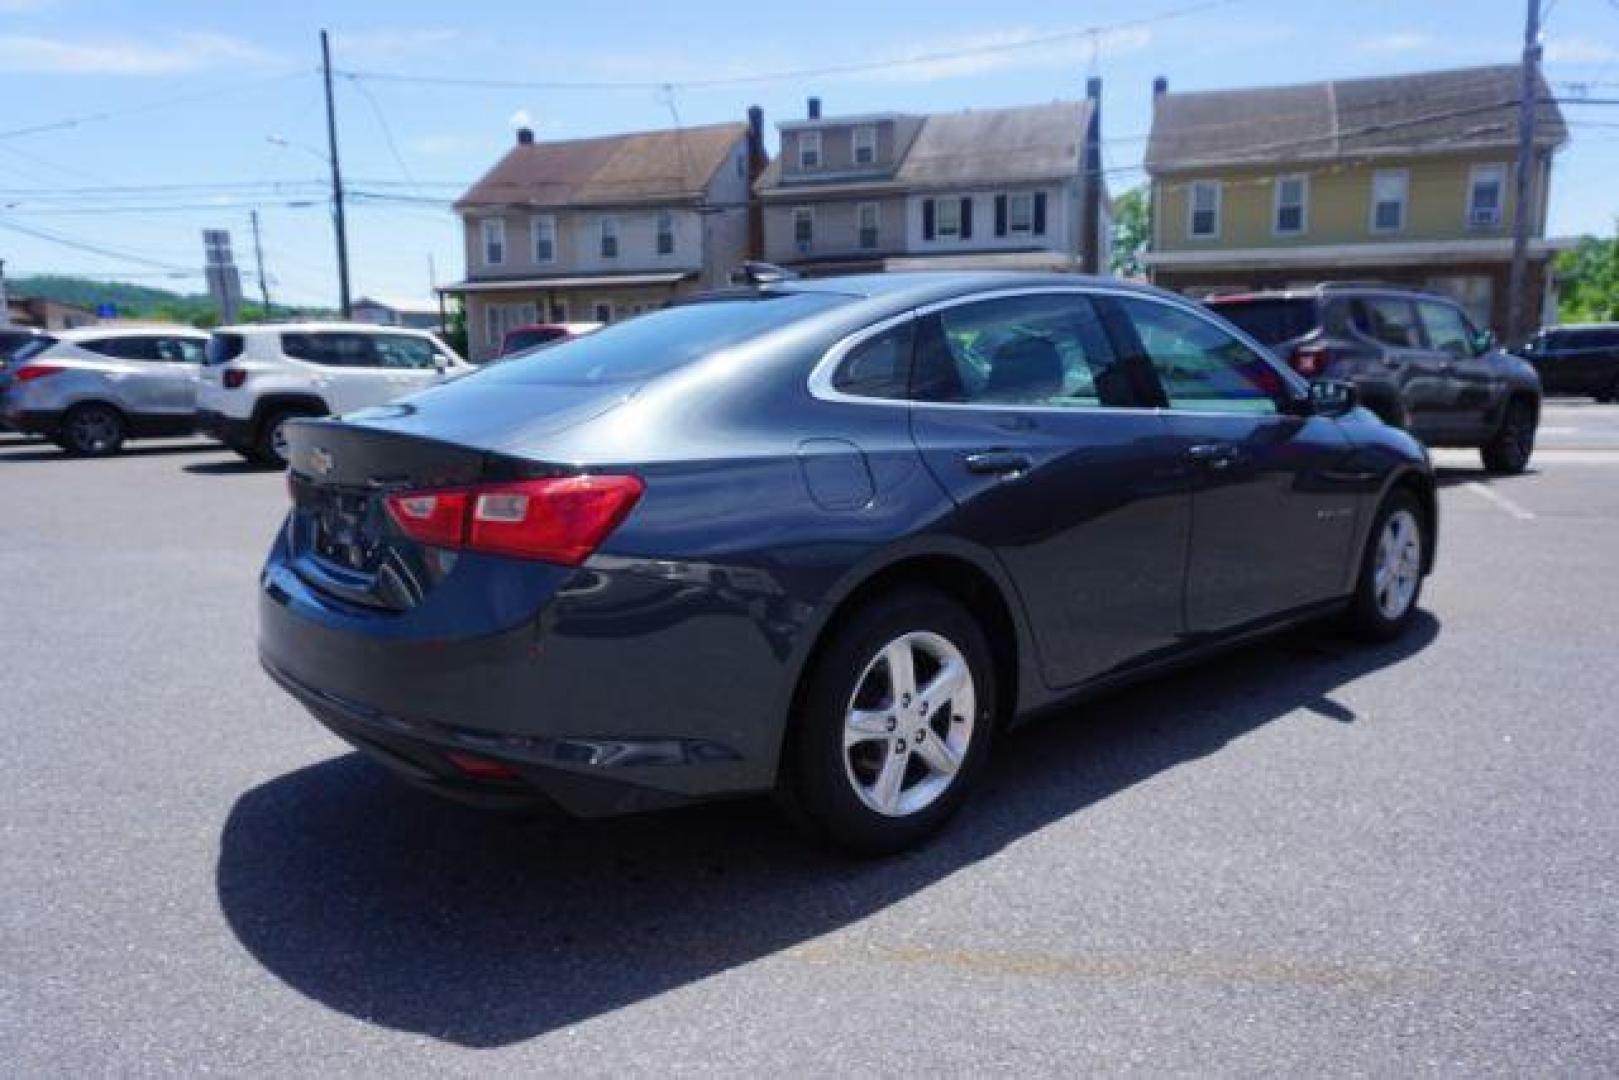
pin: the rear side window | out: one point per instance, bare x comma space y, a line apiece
30, 349
1388, 320
223, 348
878, 367
125, 348
401, 351
1270, 322
330, 349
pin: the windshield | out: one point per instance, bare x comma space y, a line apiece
661, 341
1269, 321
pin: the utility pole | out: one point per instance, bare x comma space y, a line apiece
337, 181
5, 308
258, 257
1528, 108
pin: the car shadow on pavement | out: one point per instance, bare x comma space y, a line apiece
44, 451
401, 910
233, 466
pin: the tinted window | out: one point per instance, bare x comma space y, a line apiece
1269, 321
1046, 349
400, 351
1387, 320
527, 339
330, 349
32, 348
223, 348
878, 367
1201, 366
125, 348
1448, 330
179, 350
662, 340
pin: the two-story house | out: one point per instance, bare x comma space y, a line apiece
1004, 187
1406, 179
596, 229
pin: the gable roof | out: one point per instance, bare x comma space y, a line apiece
1388, 115
646, 166
975, 146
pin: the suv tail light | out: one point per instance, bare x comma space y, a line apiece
234, 378
30, 372
1310, 360
557, 519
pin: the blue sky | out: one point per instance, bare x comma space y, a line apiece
244, 74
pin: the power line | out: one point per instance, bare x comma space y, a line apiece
87, 246
149, 106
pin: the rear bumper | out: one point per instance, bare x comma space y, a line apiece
233, 431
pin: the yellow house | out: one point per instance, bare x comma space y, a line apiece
1406, 179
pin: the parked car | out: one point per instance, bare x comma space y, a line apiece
825, 539
1415, 358
258, 377
523, 338
92, 388
1577, 359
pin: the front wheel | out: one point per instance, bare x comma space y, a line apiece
1390, 582
92, 430
895, 724
1508, 452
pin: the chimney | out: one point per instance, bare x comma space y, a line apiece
525, 136
1090, 212
757, 160
1160, 87
814, 108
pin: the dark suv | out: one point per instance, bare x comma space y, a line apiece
1577, 359
1416, 359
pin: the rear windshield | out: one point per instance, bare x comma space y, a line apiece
1269, 321
224, 347
32, 348
661, 341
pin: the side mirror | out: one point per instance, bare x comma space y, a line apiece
1483, 342
1332, 398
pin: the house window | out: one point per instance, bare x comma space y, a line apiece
1291, 195
559, 311
1389, 187
1020, 212
1486, 191
666, 233
866, 222
809, 149
604, 311
863, 144
947, 219
803, 227
609, 238
545, 239
1203, 204
494, 241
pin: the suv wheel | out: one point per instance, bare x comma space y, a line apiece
1508, 452
270, 448
1611, 394
896, 723
92, 430
1390, 582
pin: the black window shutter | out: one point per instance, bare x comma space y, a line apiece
1000, 215
927, 219
1039, 213
966, 219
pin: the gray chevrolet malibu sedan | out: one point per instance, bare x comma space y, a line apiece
821, 538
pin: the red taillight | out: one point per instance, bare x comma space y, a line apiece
558, 519
30, 372
1310, 359
234, 378
480, 768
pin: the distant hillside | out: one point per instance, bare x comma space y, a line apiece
139, 301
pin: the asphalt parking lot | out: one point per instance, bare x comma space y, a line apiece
1306, 856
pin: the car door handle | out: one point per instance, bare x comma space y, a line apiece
1214, 455
1004, 463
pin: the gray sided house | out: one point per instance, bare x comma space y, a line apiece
983, 188
598, 229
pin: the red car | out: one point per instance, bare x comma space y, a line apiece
523, 338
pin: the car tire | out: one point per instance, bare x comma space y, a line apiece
1611, 394
875, 765
1509, 450
1389, 585
269, 448
92, 430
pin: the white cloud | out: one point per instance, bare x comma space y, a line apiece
520, 119
1001, 50
371, 45
74, 56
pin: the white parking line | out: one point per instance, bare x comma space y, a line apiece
1500, 500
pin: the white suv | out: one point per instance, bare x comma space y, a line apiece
258, 377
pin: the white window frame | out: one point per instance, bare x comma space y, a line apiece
876, 225
1303, 180
803, 213
664, 226
1013, 199
862, 137
953, 202
546, 223
492, 234
1191, 209
1404, 176
810, 142
607, 229
1498, 171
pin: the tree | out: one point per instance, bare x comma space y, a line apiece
1131, 231
1588, 281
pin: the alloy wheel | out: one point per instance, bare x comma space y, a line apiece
93, 430
909, 723
1399, 565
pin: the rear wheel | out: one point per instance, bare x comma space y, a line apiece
1611, 394
896, 723
270, 448
1508, 452
1390, 582
92, 430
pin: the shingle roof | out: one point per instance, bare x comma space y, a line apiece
1465, 107
638, 167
